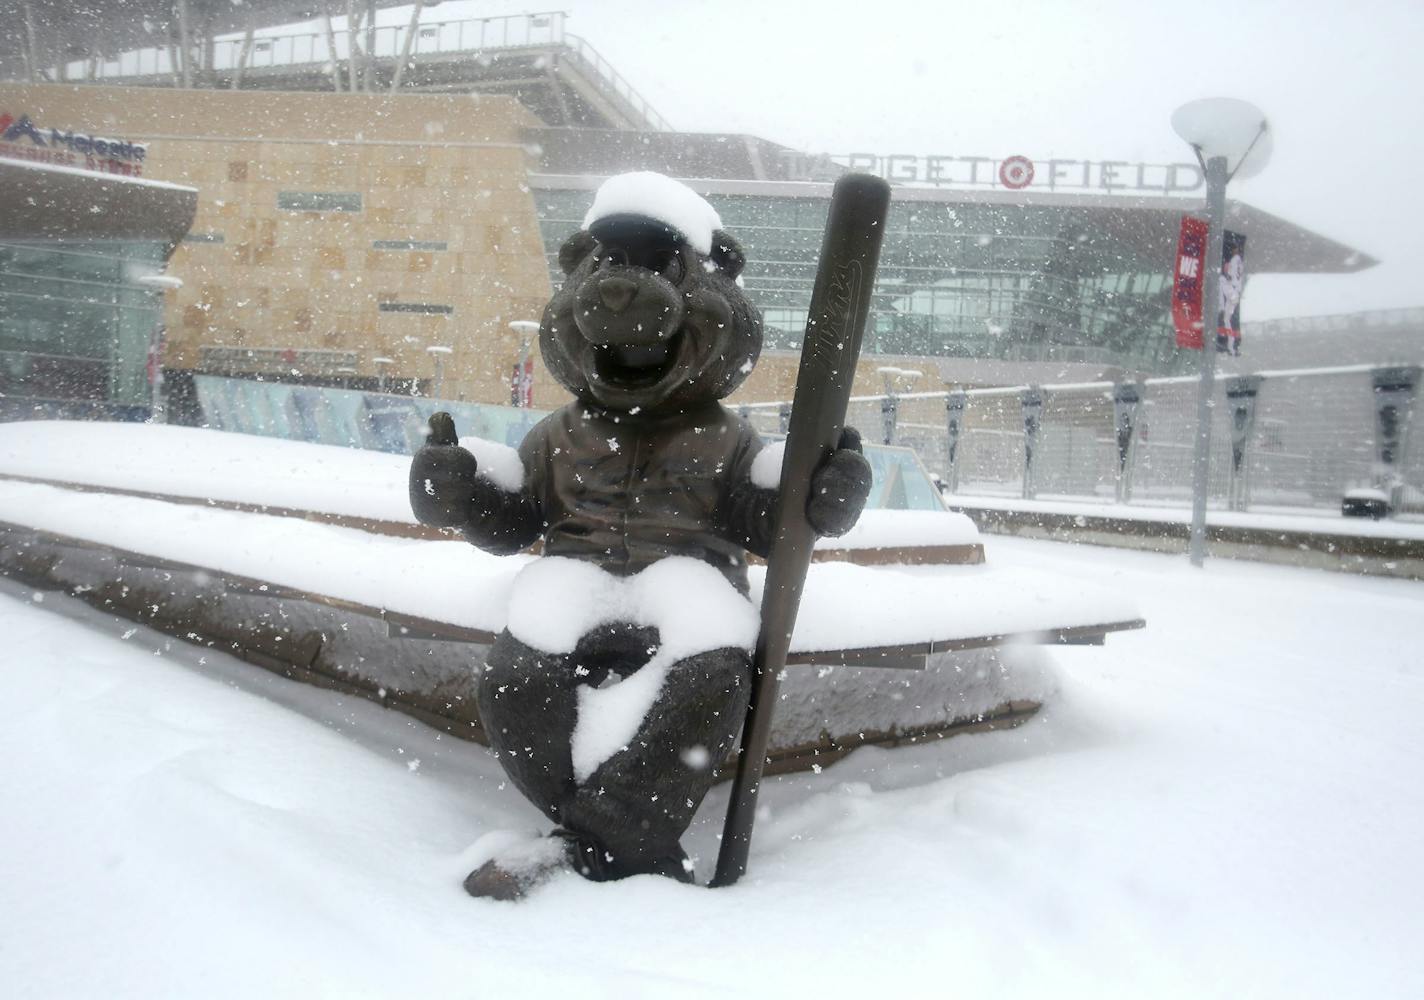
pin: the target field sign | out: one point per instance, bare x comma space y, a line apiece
1016, 172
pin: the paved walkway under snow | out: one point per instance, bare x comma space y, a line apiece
1224, 804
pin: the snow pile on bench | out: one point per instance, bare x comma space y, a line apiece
235, 468
241, 468
554, 602
845, 606
890, 529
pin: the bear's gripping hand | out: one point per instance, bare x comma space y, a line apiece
839, 487
442, 477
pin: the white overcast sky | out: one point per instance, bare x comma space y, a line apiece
1342, 83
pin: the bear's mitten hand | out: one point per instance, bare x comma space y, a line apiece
839, 488
442, 477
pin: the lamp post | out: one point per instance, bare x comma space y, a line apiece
383, 366
890, 405
1230, 138
521, 386
438, 353
160, 284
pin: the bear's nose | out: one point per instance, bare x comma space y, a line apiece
616, 293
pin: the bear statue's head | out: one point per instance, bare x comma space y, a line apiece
650, 316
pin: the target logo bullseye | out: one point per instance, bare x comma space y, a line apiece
1016, 172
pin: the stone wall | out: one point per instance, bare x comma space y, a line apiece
371, 225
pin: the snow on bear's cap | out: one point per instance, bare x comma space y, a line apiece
643, 197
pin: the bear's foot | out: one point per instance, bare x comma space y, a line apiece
597, 864
517, 871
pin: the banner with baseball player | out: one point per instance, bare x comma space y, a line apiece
521, 380
1233, 281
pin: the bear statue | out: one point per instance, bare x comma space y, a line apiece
643, 476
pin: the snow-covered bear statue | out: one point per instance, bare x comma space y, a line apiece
622, 679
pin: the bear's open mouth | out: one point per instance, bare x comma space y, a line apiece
630, 366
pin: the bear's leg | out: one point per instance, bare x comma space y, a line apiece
528, 708
628, 817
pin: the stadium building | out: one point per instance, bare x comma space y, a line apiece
381, 207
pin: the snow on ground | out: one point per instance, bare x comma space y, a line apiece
1225, 804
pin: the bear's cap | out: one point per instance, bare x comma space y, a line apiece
643, 201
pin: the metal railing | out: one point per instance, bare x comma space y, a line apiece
1346, 323
601, 69
315, 46
1295, 440
328, 51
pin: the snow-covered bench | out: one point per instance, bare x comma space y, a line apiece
229, 540
351, 488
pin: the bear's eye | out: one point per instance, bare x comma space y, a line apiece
669, 265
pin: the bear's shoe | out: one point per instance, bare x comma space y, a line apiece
519, 869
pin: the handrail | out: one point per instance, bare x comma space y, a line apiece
1331, 322
621, 87
543, 29
1100, 386
300, 48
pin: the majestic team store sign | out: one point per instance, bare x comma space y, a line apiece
22, 139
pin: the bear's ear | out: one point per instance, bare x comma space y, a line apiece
575, 249
727, 253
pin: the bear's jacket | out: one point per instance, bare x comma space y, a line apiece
625, 490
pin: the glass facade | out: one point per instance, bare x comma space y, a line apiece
388, 422
956, 279
77, 323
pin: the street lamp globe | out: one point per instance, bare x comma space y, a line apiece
1226, 127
